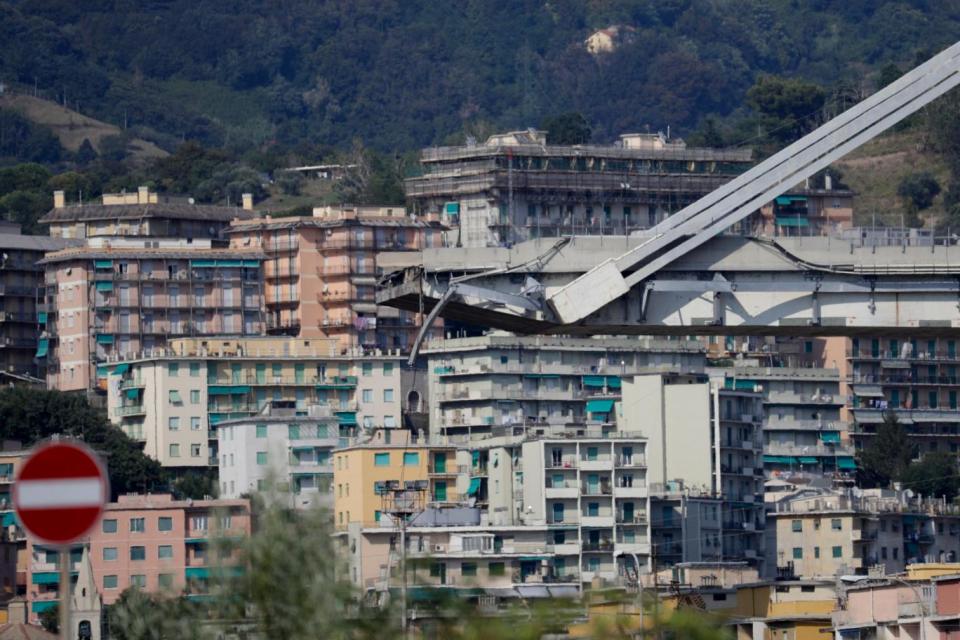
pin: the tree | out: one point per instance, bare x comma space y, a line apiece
50, 619
889, 74
86, 153
788, 107
149, 616
566, 128
887, 456
196, 485
936, 475
918, 191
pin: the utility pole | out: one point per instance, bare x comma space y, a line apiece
401, 501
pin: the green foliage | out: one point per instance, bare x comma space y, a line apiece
788, 108
195, 485
936, 475
889, 74
50, 619
918, 191
887, 455
149, 616
24, 141
567, 128
30, 415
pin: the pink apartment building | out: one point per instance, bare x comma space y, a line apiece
320, 272
116, 300
149, 541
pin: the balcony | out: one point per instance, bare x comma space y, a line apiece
596, 521
631, 462
602, 489
132, 383
632, 547
638, 490
602, 463
130, 410
597, 547
567, 462
635, 519
562, 490
441, 471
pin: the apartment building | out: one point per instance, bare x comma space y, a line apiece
281, 451
115, 300
320, 272
479, 385
152, 542
810, 211
171, 401
142, 214
516, 187
704, 443
821, 533
367, 475
804, 434
22, 310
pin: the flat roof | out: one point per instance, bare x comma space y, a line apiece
181, 211
135, 253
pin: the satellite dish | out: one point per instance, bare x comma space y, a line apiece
909, 493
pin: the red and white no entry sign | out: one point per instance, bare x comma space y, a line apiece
59, 492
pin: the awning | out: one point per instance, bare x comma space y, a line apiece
593, 381
133, 394
103, 264
121, 369
779, 460
203, 263
42, 605
226, 390
209, 264
792, 221
741, 385
474, 487
42, 347
104, 286
104, 338
830, 436
895, 364
599, 406
867, 390
42, 317
807, 460
347, 418
197, 573
848, 464
46, 577
9, 519
785, 200
196, 541
613, 382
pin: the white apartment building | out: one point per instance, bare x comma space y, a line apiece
280, 453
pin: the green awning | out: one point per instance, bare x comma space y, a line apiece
102, 371
251, 263
9, 519
195, 573
792, 221
599, 406
613, 382
452, 207
593, 381
42, 605
46, 577
103, 264
779, 460
229, 263
121, 369
104, 286
302, 448
203, 263
847, 464
226, 390
42, 347
785, 200
104, 338
42, 317
133, 394
830, 436
740, 384
196, 541
474, 487
348, 418
807, 460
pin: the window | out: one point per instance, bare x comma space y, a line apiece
138, 580
367, 369
109, 526
388, 368
165, 551
110, 582
367, 395
468, 569
198, 523
796, 525
173, 369
592, 453
195, 451
381, 459
173, 423
138, 525
165, 524
293, 431
411, 458
798, 553
109, 553
173, 397
194, 396
138, 553
194, 423
838, 552
496, 568
261, 431
836, 524
174, 450
440, 491
194, 369
165, 580
377, 515
816, 552
261, 458
593, 509
388, 395
389, 422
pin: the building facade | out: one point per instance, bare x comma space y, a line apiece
280, 450
515, 186
320, 272
173, 400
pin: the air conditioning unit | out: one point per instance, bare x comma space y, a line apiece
439, 548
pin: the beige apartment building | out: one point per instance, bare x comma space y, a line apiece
115, 300
172, 400
320, 272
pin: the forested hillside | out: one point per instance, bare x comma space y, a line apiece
399, 74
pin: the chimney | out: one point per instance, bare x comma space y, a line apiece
248, 202
59, 199
143, 195
827, 182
